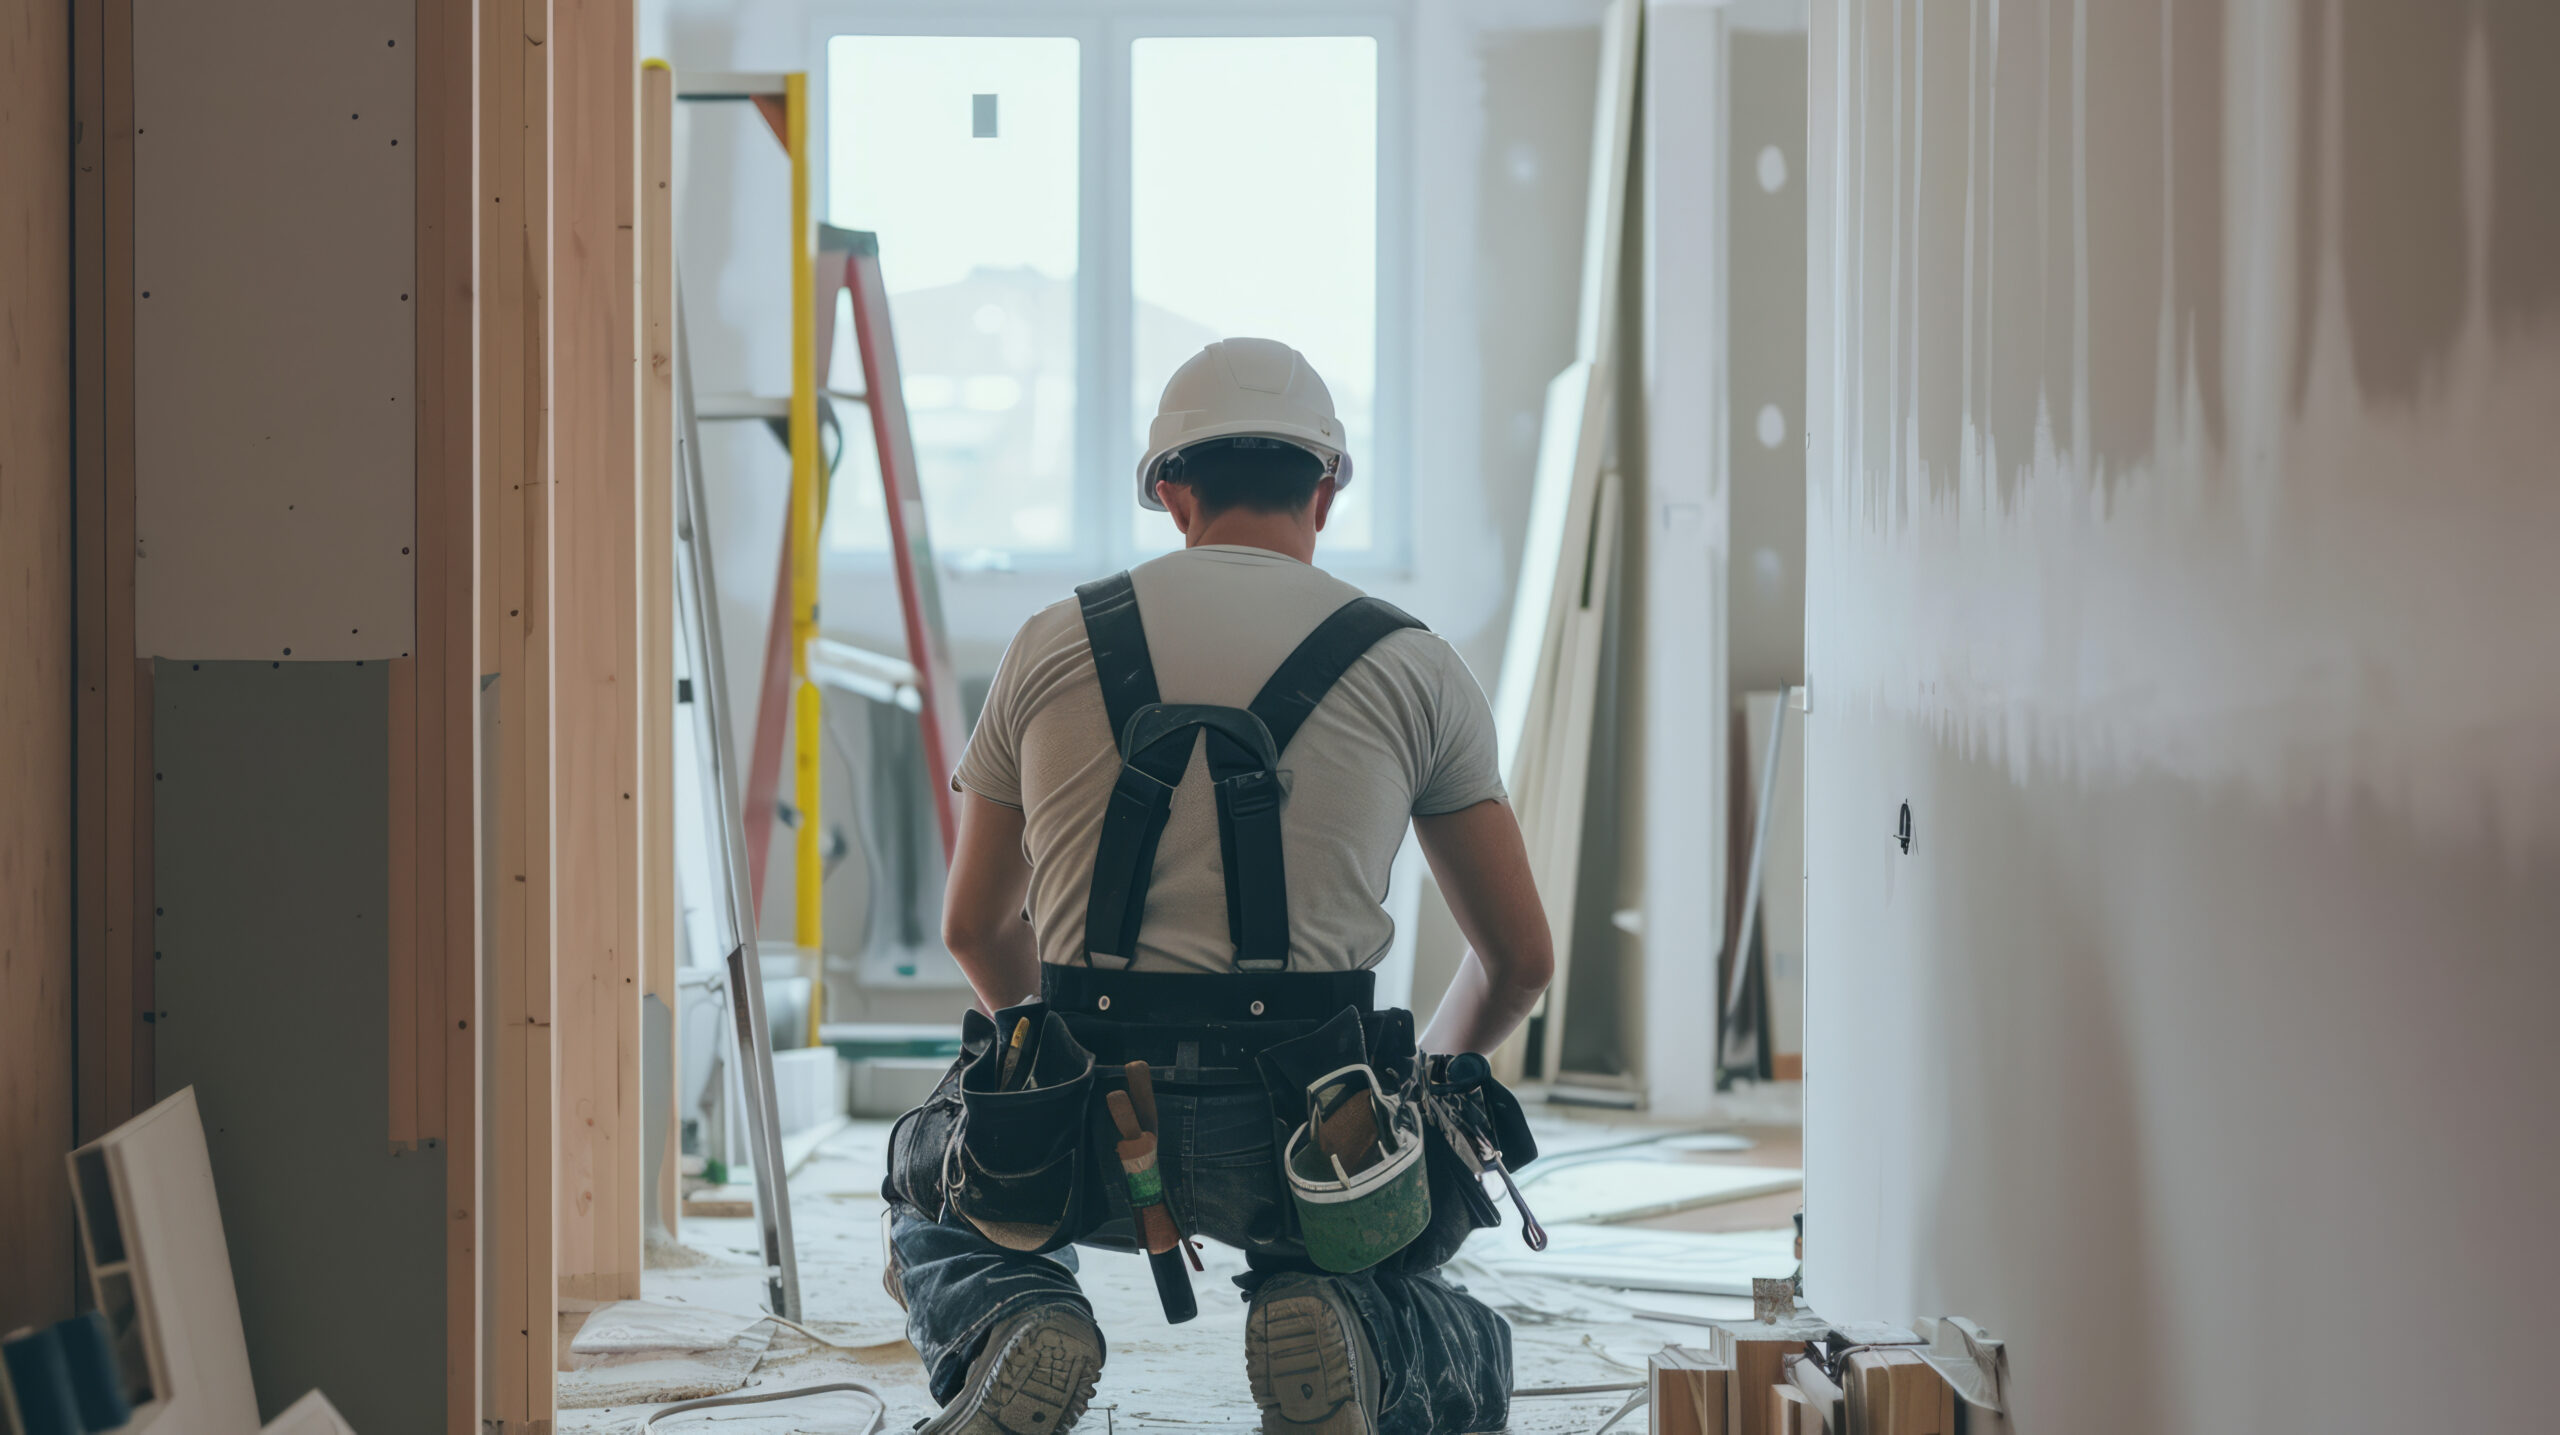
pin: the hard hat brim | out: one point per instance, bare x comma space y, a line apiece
1337, 461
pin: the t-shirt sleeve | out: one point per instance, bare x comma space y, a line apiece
991, 766
1465, 757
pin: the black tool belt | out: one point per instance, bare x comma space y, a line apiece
1182, 998
1198, 1029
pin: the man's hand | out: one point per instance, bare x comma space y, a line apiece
1483, 869
982, 920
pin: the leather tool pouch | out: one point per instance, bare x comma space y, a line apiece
920, 1144
1019, 1176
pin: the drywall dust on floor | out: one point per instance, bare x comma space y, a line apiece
1158, 1377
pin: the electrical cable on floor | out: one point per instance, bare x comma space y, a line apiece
822, 1340
879, 1417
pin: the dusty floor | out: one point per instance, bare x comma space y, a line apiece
1158, 1377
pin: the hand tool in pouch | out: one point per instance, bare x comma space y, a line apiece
1146, 1201
1465, 1072
1142, 1097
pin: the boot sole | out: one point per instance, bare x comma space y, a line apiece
1039, 1383
1308, 1372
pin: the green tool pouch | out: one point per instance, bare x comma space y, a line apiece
1363, 1199
1018, 1168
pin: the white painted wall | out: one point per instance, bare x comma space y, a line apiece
2185, 385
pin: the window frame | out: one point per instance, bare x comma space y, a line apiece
1106, 452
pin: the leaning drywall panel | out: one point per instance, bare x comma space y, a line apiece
274, 365
271, 840
156, 1258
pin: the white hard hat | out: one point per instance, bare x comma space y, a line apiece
1237, 388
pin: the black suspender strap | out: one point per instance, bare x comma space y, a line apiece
1120, 657
1154, 740
1124, 860
1311, 670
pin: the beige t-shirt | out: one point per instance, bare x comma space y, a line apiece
1405, 732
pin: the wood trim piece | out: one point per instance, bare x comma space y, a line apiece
657, 587
623, 1253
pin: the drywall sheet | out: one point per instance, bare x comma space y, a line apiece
273, 222
2180, 524
271, 841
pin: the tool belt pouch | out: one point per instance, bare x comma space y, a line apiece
1019, 1176
921, 1142
1382, 1042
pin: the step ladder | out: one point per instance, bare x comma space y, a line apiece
798, 661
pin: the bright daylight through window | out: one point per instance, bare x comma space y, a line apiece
1252, 184
978, 246
1254, 191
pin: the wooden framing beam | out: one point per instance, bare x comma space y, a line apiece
596, 801
108, 893
445, 674
658, 587
514, 203
37, 653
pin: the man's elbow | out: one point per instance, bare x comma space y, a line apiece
966, 938
1526, 965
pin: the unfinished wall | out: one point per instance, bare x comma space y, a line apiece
35, 656
2185, 383
269, 311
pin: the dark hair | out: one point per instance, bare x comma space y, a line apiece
1265, 475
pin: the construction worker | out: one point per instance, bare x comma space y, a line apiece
1226, 949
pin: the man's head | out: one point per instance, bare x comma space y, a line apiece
1239, 426
1264, 475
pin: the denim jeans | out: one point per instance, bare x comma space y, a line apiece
1444, 1356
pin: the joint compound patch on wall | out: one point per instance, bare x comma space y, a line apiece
2125, 467
274, 210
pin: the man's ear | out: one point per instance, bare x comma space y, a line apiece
1180, 503
1324, 500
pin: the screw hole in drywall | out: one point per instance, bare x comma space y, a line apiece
1902, 829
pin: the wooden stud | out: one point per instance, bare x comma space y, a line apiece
595, 430
91, 167
622, 1255
656, 670
448, 232
38, 100
516, 134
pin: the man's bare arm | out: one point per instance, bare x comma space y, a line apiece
982, 905
1483, 869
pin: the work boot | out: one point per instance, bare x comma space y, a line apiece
1033, 1378
1309, 1359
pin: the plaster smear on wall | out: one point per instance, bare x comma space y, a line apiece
2335, 596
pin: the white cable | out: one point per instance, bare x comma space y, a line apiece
879, 1417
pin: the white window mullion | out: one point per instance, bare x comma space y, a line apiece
1113, 482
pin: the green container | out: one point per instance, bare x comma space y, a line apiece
1353, 1220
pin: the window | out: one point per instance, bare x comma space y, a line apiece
1070, 203
1254, 210
961, 152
